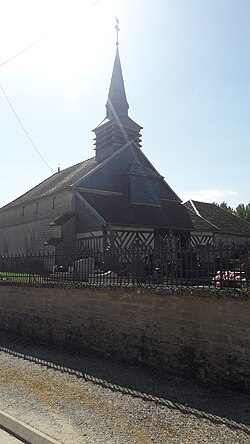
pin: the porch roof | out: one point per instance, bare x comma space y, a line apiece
116, 209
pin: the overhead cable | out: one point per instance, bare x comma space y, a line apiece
34, 43
20, 52
24, 129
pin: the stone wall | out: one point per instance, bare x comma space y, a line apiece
200, 334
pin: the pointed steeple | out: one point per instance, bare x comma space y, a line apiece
117, 105
117, 128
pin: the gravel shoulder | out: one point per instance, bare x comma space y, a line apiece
87, 399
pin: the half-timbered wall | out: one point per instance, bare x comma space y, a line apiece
127, 239
198, 239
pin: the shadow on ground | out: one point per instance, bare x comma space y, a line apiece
217, 404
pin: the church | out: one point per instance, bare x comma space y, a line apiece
116, 199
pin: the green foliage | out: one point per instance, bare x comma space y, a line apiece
243, 211
20, 277
225, 206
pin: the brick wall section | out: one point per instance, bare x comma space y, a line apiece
199, 334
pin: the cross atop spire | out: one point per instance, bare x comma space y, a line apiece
117, 30
117, 128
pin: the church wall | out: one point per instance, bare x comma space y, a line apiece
25, 228
230, 240
68, 243
86, 221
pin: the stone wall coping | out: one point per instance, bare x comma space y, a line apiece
205, 292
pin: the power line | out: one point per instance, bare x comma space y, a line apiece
24, 129
94, 3
9, 102
20, 52
34, 43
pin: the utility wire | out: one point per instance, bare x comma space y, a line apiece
20, 52
9, 102
34, 43
24, 129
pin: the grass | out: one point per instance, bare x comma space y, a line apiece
20, 277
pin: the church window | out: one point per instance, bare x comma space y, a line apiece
23, 211
53, 203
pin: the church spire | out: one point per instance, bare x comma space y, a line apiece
117, 105
117, 128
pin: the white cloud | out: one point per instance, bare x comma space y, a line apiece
208, 195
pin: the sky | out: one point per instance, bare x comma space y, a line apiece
186, 68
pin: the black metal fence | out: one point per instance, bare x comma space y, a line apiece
219, 266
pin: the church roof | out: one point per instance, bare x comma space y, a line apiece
116, 209
117, 104
63, 219
56, 182
124, 121
223, 220
137, 168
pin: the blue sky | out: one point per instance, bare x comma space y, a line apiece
186, 67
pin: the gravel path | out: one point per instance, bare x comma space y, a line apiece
85, 399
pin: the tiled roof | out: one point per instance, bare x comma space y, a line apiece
53, 241
200, 224
116, 209
137, 168
56, 182
225, 221
121, 121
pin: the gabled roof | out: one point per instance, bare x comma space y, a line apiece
56, 182
226, 222
137, 168
200, 224
135, 154
63, 219
116, 209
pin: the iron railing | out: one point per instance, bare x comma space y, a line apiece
219, 266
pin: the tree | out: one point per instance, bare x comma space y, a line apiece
243, 211
225, 206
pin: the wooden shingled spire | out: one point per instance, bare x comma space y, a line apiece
117, 128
